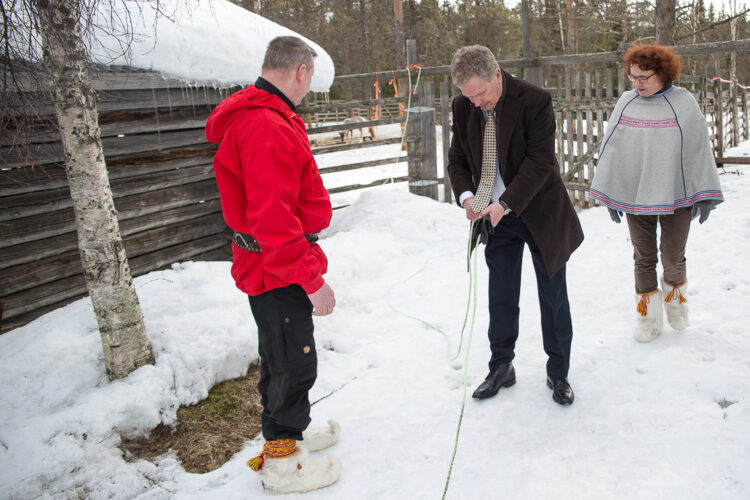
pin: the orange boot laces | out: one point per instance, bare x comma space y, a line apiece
675, 294
278, 448
643, 303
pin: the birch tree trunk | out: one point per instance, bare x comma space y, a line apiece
105, 265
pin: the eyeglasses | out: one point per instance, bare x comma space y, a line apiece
640, 79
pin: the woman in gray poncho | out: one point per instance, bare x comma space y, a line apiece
656, 165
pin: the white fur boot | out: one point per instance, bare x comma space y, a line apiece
675, 304
650, 320
320, 438
298, 473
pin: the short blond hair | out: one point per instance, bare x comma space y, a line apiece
473, 60
288, 53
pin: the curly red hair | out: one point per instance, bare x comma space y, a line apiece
659, 58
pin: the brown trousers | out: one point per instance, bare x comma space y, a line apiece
674, 234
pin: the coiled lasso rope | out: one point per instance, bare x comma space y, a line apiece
471, 304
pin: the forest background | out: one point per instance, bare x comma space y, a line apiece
360, 34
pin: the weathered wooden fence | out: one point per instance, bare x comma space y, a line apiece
583, 100
583, 105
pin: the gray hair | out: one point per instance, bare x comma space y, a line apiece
470, 61
287, 53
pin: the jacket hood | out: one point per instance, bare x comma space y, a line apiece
234, 105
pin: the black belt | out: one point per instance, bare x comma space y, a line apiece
247, 242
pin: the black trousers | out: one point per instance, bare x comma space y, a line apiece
288, 360
504, 255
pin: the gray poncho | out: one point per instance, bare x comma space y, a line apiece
656, 156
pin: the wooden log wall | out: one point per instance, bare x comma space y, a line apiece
160, 169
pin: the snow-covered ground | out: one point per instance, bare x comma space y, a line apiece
665, 420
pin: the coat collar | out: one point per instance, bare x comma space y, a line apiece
508, 110
508, 117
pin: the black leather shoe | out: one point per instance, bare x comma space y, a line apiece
562, 393
503, 376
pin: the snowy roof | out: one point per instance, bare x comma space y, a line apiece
212, 42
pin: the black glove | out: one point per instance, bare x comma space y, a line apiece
703, 208
479, 234
614, 214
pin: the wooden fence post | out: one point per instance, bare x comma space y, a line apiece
534, 74
746, 113
735, 115
579, 136
620, 70
568, 118
587, 173
445, 121
718, 114
560, 119
703, 89
422, 143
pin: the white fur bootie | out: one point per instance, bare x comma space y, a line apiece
320, 438
650, 321
294, 473
675, 304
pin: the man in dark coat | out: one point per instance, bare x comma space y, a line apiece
529, 205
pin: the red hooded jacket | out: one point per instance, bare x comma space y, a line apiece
270, 188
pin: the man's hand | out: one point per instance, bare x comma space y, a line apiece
495, 211
470, 214
323, 300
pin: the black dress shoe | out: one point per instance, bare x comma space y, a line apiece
561, 391
503, 376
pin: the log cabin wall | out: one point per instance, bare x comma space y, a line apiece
160, 170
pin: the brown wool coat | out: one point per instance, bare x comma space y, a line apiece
528, 166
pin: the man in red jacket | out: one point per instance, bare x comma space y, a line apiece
272, 196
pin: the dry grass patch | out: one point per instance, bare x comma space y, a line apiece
210, 432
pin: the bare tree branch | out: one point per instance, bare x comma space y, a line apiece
713, 25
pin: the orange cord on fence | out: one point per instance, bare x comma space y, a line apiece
401, 105
393, 82
419, 69
377, 96
734, 81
